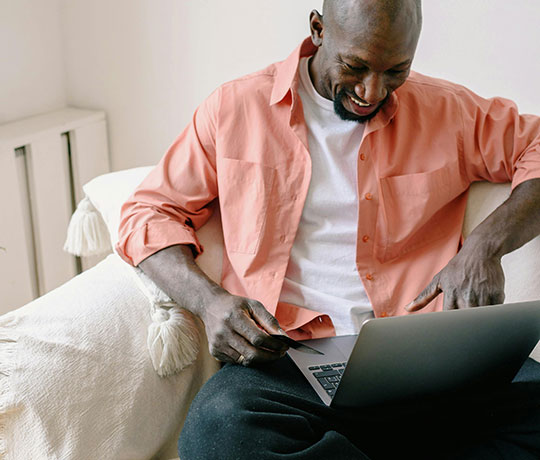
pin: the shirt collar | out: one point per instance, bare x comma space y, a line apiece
287, 79
287, 72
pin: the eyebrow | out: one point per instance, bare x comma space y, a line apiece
351, 57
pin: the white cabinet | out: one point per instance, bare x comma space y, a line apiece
44, 161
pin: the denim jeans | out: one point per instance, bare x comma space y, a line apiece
271, 412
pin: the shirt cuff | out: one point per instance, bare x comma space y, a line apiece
151, 238
528, 168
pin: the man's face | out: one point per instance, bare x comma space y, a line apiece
358, 69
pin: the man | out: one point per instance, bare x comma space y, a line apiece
342, 182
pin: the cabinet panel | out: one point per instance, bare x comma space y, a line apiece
50, 195
18, 284
44, 161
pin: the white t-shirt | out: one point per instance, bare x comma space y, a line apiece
322, 273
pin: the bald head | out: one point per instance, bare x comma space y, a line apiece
343, 10
364, 52
369, 15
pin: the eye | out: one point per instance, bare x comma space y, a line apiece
352, 68
397, 72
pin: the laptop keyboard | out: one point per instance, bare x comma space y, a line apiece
328, 375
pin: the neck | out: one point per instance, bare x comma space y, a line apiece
314, 74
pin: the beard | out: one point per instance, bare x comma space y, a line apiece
344, 114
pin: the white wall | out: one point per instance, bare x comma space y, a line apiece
32, 74
149, 63
491, 46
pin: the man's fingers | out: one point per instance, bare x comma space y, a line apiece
427, 295
237, 320
251, 354
484, 298
471, 299
225, 355
270, 325
247, 324
496, 298
263, 317
239, 350
467, 299
450, 301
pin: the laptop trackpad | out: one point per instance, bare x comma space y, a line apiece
346, 344
333, 352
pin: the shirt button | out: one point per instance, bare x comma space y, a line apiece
365, 238
368, 196
369, 277
362, 157
282, 238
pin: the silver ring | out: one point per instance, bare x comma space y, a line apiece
240, 359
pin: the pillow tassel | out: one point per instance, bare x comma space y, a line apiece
172, 340
87, 233
173, 337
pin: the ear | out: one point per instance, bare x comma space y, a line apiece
317, 28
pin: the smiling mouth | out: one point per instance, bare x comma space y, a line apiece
358, 102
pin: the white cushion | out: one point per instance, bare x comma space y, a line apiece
76, 381
109, 191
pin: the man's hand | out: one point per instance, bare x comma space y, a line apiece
470, 279
238, 330
475, 276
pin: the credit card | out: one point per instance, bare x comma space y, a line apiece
297, 345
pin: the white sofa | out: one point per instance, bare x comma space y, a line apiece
76, 379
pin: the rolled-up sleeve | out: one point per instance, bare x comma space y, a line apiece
175, 199
499, 144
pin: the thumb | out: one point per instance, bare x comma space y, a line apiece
264, 319
427, 295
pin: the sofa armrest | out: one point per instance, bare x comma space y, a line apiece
76, 380
522, 266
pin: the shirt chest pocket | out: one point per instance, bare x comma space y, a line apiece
245, 190
413, 211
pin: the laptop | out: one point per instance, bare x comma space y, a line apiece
400, 358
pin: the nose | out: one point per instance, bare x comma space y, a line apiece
371, 89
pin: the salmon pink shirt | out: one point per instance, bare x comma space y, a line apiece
247, 147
